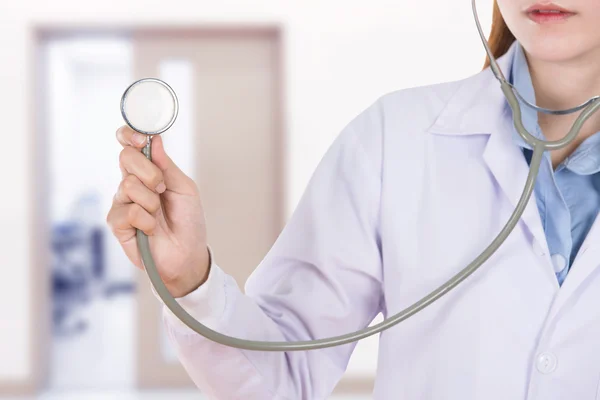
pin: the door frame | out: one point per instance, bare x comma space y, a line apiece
40, 310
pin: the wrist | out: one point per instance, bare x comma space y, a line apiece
196, 277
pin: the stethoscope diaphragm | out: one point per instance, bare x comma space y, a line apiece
149, 106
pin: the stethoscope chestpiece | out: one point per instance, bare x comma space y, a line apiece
149, 106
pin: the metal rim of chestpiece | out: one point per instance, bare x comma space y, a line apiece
165, 85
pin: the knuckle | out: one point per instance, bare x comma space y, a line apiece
126, 156
129, 183
152, 227
156, 176
111, 221
155, 204
133, 212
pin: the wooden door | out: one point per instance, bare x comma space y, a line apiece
231, 142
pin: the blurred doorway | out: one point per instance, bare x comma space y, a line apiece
229, 137
92, 282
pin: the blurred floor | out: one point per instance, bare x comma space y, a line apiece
154, 395
102, 357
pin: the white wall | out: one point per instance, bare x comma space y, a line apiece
340, 56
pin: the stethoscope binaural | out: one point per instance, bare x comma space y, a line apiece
150, 106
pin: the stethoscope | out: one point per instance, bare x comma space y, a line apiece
150, 106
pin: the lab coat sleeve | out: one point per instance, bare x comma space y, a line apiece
321, 278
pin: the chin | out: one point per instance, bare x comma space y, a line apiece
554, 48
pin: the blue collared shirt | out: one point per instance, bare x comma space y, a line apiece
568, 198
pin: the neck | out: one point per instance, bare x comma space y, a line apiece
562, 85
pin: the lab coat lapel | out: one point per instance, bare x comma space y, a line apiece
585, 263
510, 169
479, 107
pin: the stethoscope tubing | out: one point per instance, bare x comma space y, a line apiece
539, 147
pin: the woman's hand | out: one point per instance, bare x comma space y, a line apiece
159, 199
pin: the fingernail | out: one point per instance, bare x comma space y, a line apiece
138, 139
161, 187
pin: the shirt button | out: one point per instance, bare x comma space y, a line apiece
546, 362
538, 249
559, 262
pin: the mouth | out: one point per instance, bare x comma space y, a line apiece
548, 13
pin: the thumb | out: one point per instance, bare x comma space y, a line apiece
175, 179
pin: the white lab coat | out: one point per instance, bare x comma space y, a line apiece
410, 192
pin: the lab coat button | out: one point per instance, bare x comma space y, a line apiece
546, 363
559, 262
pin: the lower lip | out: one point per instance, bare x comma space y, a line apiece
545, 18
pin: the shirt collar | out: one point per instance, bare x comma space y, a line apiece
585, 159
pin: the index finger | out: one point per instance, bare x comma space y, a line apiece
128, 137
